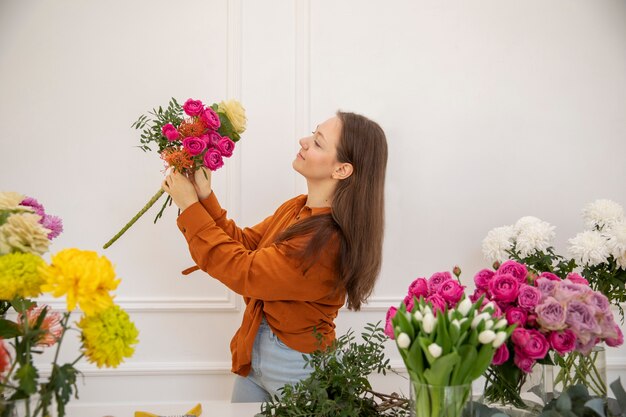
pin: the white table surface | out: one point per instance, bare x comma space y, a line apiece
209, 409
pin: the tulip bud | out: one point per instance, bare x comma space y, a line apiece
428, 324
464, 306
486, 336
403, 341
435, 350
499, 340
418, 316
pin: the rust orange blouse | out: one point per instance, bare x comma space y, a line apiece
272, 283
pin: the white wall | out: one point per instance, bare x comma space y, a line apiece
493, 110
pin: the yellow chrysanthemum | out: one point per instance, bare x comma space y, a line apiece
23, 233
84, 276
20, 275
108, 337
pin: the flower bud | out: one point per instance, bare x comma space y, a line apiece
480, 317
428, 324
418, 316
500, 324
499, 340
488, 324
464, 306
456, 271
486, 336
403, 341
435, 350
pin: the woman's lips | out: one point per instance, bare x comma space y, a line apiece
300, 155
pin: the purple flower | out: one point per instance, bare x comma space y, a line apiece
581, 319
546, 286
451, 291
391, 313
31, 202
567, 290
504, 288
563, 341
516, 269
516, 315
52, 223
600, 302
438, 278
482, 278
585, 348
501, 355
551, 314
528, 297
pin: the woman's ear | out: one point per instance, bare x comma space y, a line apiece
343, 171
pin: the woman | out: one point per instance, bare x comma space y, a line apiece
296, 268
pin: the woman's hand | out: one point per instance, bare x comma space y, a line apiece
180, 189
201, 180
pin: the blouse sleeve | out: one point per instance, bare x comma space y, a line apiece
268, 273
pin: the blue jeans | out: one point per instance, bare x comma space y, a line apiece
274, 365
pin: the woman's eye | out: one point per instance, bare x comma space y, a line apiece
317, 144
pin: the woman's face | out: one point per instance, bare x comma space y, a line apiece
317, 158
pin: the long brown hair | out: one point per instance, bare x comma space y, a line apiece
357, 215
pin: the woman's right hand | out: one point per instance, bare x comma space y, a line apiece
202, 182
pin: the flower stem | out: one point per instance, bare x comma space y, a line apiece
132, 221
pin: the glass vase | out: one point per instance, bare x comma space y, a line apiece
25, 407
440, 401
516, 393
577, 368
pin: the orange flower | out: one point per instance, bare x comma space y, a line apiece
51, 326
192, 127
177, 158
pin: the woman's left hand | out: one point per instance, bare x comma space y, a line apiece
180, 189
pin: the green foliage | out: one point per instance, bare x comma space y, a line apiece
151, 128
609, 280
548, 261
338, 384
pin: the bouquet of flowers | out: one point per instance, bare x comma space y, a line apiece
445, 341
601, 250
202, 137
26, 328
550, 315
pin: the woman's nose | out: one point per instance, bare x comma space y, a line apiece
303, 143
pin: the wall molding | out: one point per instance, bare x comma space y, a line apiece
148, 369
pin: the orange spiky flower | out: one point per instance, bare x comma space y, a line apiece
177, 158
192, 127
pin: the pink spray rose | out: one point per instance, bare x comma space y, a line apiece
516, 269
438, 278
194, 146
516, 315
482, 278
523, 362
210, 118
451, 291
537, 346
226, 146
213, 159
170, 132
528, 297
193, 107
577, 279
504, 288
551, 314
562, 342
391, 313
615, 341
438, 303
501, 355
520, 336
550, 276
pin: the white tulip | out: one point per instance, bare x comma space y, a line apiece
408, 316
490, 305
435, 350
464, 306
500, 324
450, 314
499, 340
429, 322
488, 324
486, 336
456, 324
427, 310
418, 316
403, 340
479, 318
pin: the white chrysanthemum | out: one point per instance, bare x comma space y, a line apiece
10, 200
616, 242
535, 236
525, 222
23, 233
589, 248
497, 243
602, 213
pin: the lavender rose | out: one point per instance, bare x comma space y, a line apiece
551, 314
562, 342
528, 297
615, 341
516, 269
581, 319
516, 315
451, 291
193, 107
482, 278
567, 290
546, 286
194, 146
504, 287
600, 302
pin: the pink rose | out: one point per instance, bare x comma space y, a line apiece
600, 302
477, 294
520, 336
213, 159
438, 303
563, 342
391, 313
170, 132
550, 276
516, 315
504, 288
194, 146
210, 118
577, 279
546, 286
193, 107
516, 269
451, 291
213, 138
537, 346
409, 302
226, 146
567, 290
482, 278
419, 288
528, 297
438, 278
523, 362
615, 341
501, 355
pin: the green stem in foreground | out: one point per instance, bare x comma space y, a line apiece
132, 221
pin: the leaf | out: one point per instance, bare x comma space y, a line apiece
564, 402
620, 394
461, 373
440, 371
27, 377
8, 329
597, 405
22, 304
483, 360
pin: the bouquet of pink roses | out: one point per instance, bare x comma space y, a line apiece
551, 315
202, 138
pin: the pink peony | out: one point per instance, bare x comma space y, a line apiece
438, 278
210, 118
477, 294
550, 276
563, 342
482, 278
516, 269
193, 107
170, 132
409, 302
615, 341
528, 297
451, 291
523, 362
213, 159
504, 288
516, 315
577, 279
226, 146
419, 288
501, 355
391, 313
551, 314
194, 146
537, 346
438, 303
